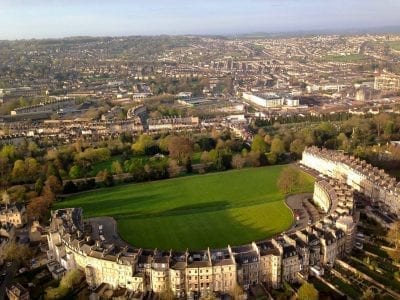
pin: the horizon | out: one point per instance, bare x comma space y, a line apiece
45, 19
273, 34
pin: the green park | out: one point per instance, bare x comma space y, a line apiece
195, 212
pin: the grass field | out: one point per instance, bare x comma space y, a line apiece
104, 165
344, 58
394, 45
194, 212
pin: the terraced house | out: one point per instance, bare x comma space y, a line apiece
286, 257
372, 182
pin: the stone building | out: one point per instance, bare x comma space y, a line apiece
286, 257
14, 214
375, 184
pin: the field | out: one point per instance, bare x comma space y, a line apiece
104, 165
394, 45
351, 58
194, 212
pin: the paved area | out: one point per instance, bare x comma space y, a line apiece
296, 204
106, 227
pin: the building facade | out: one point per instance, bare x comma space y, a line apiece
286, 257
375, 184
14, 214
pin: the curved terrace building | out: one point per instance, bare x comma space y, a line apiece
378, 186
74, 243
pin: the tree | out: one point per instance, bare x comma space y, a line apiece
272, 158
105, 177
39, 185
18, 253
143, 142
8, 151
32, 169
209, 297
277, 146
17, 193
307, 291
167, 294
253, 158
206, 143
297, 147
238, 161
389, 129
180, 148
380, 121
33, 148
38, 208
53, 184
70, 187
18, 173
4, 168
290, 180
393, 236
69, 280
5, 198
267, 139
75, 172
368, 294
258, 144
205, 157
116, 167
237, 292
173, 168
344, 143
163, 143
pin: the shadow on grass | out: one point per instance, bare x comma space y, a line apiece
195, 227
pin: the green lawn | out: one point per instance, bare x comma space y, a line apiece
344, 58
104, 165
394, 45
194, 212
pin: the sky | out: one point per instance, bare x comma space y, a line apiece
24, 19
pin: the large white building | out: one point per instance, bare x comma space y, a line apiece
270, 100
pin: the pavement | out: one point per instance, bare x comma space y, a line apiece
109, 230
296, 204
